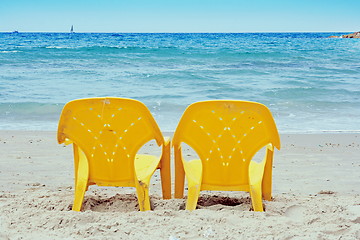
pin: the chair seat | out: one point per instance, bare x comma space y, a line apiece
145, 165
194, 168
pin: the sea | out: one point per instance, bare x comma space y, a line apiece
309, 82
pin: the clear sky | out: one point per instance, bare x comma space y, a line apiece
180, 15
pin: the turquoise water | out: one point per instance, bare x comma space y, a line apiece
309, 82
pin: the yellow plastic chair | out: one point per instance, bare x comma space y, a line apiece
106, 134
225, 135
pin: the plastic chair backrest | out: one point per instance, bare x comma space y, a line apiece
226, 135
109, 131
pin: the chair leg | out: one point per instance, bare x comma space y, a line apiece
179, 173
80, 190
76, 161
81, 178
142, 190
256, 197
267, 178
193, 196
165, 172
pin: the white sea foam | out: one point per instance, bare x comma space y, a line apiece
13, 51
56, 47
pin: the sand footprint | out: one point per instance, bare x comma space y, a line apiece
296, 213
354, 213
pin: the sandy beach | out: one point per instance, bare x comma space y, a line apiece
316, 195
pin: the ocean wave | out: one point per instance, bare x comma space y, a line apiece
304, 75
29, 109
103, 48
10, 51
56, 47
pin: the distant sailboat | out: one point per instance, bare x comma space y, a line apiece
72, 29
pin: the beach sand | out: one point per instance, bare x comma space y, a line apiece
316, 191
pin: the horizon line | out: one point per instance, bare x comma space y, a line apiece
16, 31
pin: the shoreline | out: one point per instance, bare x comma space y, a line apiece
171, 132
315, 191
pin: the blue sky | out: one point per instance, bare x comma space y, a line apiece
180, 15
